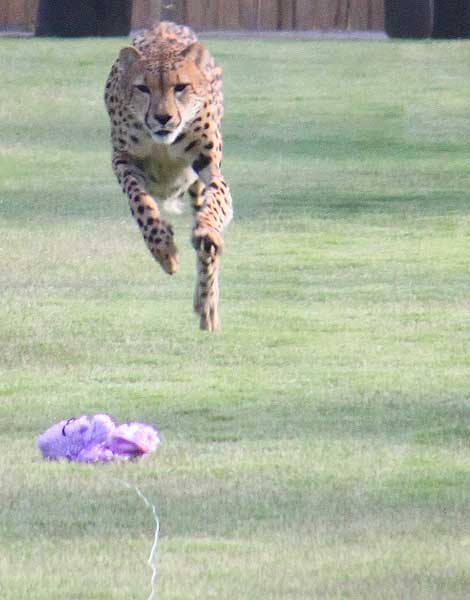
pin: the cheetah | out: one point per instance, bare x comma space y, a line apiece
164, 100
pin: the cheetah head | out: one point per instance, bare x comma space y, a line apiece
164, 94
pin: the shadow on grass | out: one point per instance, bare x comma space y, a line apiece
322, 203
435, 424
290, 206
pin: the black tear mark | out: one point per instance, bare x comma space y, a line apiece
190, 146
201, 162
179, 138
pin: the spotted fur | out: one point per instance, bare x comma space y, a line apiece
164, 100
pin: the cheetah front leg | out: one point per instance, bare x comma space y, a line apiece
212, 207
157, 233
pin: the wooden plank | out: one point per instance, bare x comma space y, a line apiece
359, 15
341, 14
174, 10
12, 6
228, 14
195, 14
268, 14
155, 9
15, 15
331, 14
139, 13
4, 14
304, 14
377, 12
31, 8
211, 14
325, 14
286, 14
247, 14
8, 10
202, 14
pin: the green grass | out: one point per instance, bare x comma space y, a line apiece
319, 446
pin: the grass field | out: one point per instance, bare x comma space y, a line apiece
319, 446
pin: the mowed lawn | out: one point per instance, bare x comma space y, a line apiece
319, 446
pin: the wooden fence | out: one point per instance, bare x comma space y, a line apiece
17, 14
231, 14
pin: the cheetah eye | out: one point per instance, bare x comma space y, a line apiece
143, 88
179, 87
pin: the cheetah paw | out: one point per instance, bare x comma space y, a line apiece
207, 240
164, 249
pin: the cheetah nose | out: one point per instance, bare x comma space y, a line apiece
162, 119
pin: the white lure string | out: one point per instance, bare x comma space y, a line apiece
152, 559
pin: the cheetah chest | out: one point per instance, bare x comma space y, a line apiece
168, 175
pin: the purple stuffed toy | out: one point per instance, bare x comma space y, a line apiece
97, 440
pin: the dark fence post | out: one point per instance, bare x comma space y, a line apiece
409, 18
79, 18
66, 18
114, 17
447, 19
451, 19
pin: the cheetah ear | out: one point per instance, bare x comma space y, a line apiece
128, 56
197, 53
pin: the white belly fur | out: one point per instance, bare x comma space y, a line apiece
168, 176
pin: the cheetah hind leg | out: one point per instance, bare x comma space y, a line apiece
206, 293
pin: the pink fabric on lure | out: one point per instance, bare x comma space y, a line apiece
97, 440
